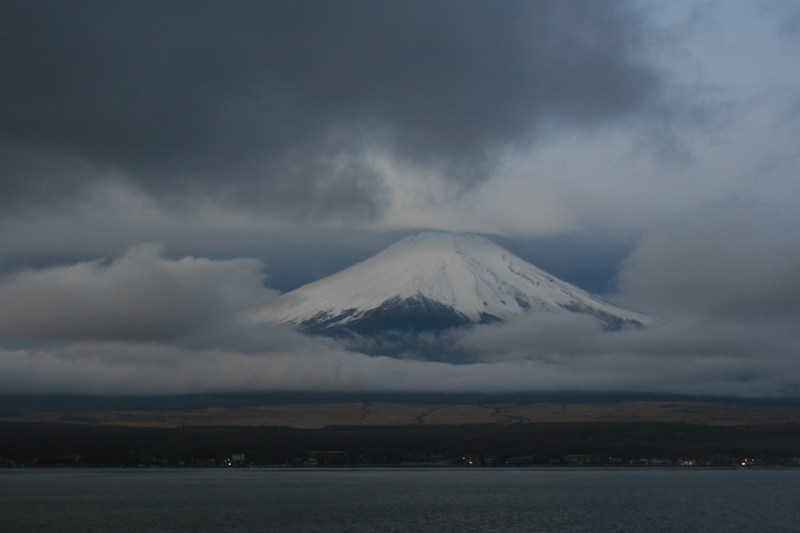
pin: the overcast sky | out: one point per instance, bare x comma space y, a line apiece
166, 167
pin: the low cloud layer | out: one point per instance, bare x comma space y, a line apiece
145, 324
141, 295
626, 362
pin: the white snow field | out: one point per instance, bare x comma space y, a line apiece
465, 273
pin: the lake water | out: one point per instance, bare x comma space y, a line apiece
397, 500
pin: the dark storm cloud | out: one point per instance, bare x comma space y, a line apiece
280, 102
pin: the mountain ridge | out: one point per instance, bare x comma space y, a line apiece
436, 281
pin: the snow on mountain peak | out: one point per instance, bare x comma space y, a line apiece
468, 275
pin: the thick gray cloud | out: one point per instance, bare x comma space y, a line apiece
279, 103
300, 137
697, 355
143, 324
724, 276
140, 295
603, 362
734, 258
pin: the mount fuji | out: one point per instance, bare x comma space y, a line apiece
434, 281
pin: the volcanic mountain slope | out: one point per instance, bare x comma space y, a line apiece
434, 281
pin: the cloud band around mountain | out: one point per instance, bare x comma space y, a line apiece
78, 328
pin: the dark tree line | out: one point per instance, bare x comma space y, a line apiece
51, 444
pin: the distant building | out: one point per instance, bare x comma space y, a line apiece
329, 457
580, 459
235, 459
521, 460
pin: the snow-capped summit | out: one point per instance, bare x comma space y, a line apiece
433, 281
